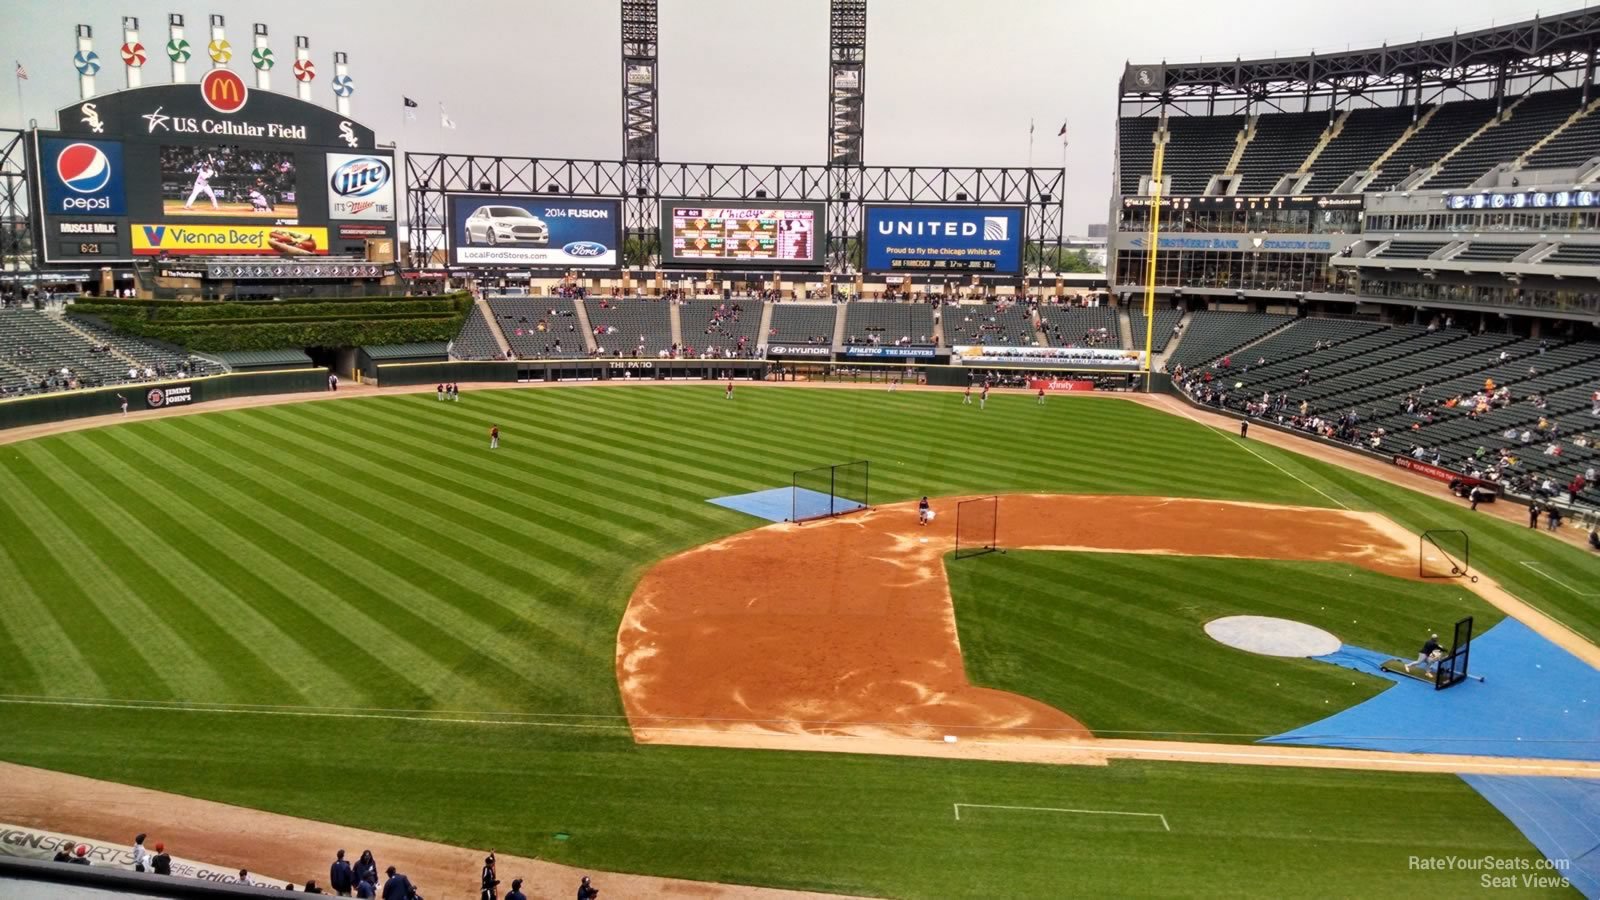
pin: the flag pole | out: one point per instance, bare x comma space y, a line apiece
1030, 143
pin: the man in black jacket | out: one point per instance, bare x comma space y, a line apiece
397, 886
340, 876
487, 883
161, 863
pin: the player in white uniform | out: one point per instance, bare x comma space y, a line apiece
203, 174
258, 201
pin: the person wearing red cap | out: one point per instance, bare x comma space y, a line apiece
161, 863
80, 855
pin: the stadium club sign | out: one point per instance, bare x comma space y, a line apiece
1239, 244
222, 105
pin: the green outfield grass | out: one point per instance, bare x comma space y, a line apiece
373, 554
1134, 661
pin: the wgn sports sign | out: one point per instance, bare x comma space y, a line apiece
360, 187
944, 239
82, 178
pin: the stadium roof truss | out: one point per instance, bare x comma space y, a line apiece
1492, 62
640, 185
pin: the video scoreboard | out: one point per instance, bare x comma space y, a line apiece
719, 233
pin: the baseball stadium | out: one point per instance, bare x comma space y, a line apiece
384, 520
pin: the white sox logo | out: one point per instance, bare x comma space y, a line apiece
347, 132
91, 117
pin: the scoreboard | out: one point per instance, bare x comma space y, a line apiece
719, 233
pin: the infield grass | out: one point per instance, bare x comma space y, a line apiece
1133, 660
373, 554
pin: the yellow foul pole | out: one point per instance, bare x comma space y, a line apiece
1150, 263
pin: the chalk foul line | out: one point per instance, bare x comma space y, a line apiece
1088, 812
1534, 568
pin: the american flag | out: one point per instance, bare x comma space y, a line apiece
22, 74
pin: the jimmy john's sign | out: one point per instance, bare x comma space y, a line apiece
229, 240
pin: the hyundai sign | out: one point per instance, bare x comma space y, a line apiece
944, 239
523, 231
82, 178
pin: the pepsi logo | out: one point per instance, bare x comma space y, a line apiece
361, 177
83, 168
584, 249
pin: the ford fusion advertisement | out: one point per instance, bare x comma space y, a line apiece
937, 239
524, 231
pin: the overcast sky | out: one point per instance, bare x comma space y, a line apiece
949, 82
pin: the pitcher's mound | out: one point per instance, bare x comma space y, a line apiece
1272, 637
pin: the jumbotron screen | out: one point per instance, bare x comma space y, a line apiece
718, 233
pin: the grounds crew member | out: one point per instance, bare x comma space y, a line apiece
1428, 655
340, 876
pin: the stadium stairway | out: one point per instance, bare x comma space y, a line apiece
494, 327
838, 326
1159, 364
1125, 329
765, 328
589, 343
675, 316
88, 338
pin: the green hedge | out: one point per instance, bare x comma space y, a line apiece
212, 312
275, 336
163, 304
228, 326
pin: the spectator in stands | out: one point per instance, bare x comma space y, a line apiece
80, 855
63, 853
311, 887
340, 876
161, 863
141, 856
397, 886
245, 879
366, 868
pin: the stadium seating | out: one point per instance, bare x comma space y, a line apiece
520, 319
1162, 335
1578, 144
719, 326
1136, 150
802, 323
1411, 249
1295, 348
1452, 124
1281, 143
36, 346
1575, 255
628, 322
476, 339
1079, 326
987, 323
888, 323
1199, 147
1212, 335
1366, 134
1536, 116
1485, 252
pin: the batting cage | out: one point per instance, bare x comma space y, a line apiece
830, 490
1445, 554
1452, 669
977, 526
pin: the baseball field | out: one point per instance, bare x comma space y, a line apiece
353, 611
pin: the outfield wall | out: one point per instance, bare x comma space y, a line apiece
514, 371
173, 393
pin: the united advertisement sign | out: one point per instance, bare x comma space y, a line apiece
559, 232
944, 239
228, 240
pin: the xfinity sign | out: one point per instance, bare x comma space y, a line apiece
944, 239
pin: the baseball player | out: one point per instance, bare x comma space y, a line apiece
924, 514
438, 391
203, 174
1428, 655
259, 202
966, 399
983, 398
123, 402
494, 437
1041, 395
728, 394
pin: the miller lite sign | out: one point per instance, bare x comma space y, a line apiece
360, 187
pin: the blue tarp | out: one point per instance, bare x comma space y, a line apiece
1561, 816
782, 504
